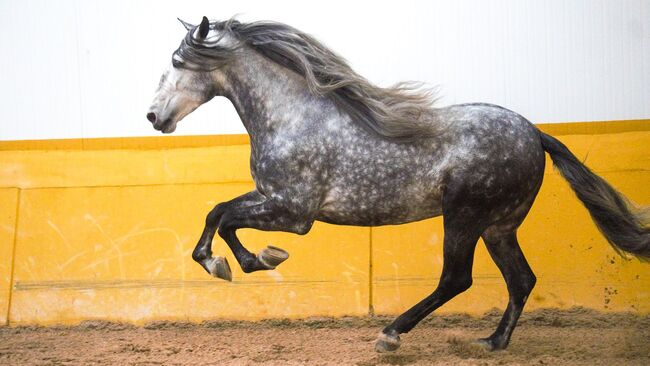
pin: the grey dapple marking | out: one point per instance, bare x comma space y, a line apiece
328, 145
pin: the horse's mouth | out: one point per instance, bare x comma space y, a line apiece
167, 126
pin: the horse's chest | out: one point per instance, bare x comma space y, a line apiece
283, 170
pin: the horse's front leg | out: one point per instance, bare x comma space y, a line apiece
218, 266
270, 215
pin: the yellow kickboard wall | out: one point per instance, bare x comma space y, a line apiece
8, 198
90, 230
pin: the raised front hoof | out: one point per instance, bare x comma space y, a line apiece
387, 342
490, 344
219, 268
270, 257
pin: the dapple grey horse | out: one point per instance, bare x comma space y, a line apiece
328, 145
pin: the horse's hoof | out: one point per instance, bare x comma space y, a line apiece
219, 268
387, 343
271, 256
488, 344
483, 343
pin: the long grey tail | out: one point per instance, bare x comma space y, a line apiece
624, 226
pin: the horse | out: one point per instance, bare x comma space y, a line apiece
328, 145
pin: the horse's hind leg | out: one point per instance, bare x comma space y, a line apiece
458, 252
503, 247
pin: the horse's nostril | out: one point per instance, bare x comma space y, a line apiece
151, 117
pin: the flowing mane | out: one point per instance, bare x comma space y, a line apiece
401, 112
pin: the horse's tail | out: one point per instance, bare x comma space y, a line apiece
624, 226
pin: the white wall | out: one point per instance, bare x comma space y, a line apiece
89, 68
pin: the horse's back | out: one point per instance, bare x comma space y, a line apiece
485, 151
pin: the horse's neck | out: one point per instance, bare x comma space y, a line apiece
267, 96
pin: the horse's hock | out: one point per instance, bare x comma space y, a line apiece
107, 231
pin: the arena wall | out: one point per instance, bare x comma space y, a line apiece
104, 229
89, 69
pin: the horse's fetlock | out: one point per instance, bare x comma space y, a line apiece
388, 341
248, 269
248, 265
498, 342
199, 255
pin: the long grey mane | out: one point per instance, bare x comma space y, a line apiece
401, 112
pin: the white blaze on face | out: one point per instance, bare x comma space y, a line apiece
180, 92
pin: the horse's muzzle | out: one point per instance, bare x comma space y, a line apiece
165, 126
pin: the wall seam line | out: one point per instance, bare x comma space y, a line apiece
13, 258
155, 143
37, 187
371, 309
29, 188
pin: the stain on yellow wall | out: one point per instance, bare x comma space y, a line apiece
8, 202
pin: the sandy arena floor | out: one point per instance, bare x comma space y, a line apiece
546, 337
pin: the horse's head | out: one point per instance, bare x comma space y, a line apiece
187, 83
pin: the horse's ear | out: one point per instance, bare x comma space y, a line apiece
204, 28
185, 24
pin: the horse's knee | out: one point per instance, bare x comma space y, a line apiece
226, 224
213, 217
